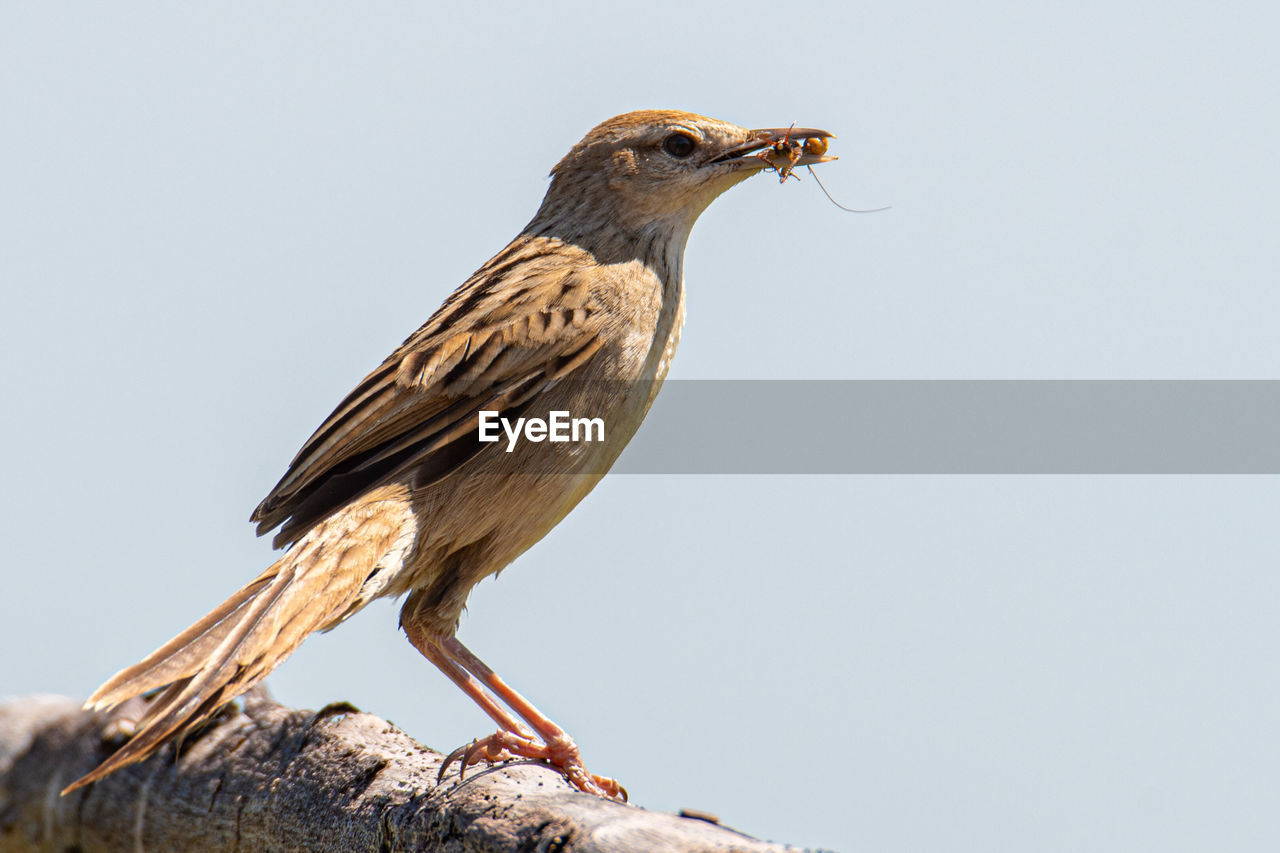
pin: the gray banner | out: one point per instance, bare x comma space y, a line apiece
959, 427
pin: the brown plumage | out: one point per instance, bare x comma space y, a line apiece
396, 494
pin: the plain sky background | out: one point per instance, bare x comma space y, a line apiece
214, 221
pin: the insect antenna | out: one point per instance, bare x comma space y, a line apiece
838, 204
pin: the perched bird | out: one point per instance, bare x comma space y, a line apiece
397, 494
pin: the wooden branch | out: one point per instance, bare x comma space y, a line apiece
269, 778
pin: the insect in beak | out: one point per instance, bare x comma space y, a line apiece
804, 147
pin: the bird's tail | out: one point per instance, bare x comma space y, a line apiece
333, 571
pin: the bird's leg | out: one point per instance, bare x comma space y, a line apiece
541, 739
430, 648
488, 748
556, 747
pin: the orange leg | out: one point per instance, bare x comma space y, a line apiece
431, 650
541, 739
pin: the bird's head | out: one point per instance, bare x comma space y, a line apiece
657, 168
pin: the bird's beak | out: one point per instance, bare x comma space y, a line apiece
754, 154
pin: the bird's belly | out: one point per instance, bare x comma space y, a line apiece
477, 520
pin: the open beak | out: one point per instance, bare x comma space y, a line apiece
779, 138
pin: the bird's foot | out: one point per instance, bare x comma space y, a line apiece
560, 753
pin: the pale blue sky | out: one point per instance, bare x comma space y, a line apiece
215, 221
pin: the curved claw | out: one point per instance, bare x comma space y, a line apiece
452, 757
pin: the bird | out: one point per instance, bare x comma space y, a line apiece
398, 493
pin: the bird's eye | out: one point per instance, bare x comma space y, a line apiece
679, 145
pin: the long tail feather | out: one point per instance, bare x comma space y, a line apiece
327, 576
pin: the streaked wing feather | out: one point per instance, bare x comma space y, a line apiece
427, 394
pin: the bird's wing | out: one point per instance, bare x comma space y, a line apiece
488, 347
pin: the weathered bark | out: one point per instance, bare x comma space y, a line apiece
268, 778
